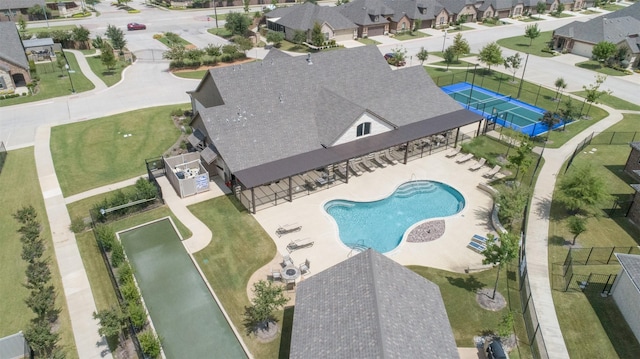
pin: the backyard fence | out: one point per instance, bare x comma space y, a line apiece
604, 138
3, 155
591, 282
596, 255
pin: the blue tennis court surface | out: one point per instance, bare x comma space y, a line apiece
501, 109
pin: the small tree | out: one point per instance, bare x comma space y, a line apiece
417, 24
246, 4
460, 46
38, 12
60, 63
107, 57
299, 36
81, 34
500, 254
317, 37
541, 7
532, 32
512, 201
267, 299
582, 190
243, 43
150, 344
568, 113
237, 23
275, 37
603, 50
112, 322
549, 119
449, 56
505, 328
98, 42
422, 55
560, 84
522, 159
491, 54
116, 36
22, 26
559, 9
593, 91
577, 225
513, 63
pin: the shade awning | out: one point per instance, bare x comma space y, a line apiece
196, 138
208, 155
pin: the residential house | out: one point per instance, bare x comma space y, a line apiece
406, 12
632, 167
371, 16
273, 127
369, 306
303, 18
626, 290
621, 27
14, 66
12, 10
634, 209
461, 10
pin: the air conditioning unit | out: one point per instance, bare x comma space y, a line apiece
386, 33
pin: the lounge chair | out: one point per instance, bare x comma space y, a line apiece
388, 157
299, 244
308, 184
465, 158
492, 172
287, 261
479, 239
276, 275
281, 231
304, 267
378, 161
454, 152
367, 165
477, 247
393, 155
478, 165
354, 169
341, 171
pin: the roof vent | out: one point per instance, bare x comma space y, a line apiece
280, 98
309, 59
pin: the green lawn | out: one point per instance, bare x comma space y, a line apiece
54, 83
531, 18
521, 43
35, 30
458, 63
458, 28
577, 311
110, 77
589, 12
169, 43
612, 101
410, 36
290, 46
561, 15
219, 16
94, 153
220, 31
368, 41
19, 187
239, 248
197, 74
594, 65
611, 7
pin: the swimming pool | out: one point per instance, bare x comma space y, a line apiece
381, 224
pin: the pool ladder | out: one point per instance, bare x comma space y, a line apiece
357, 247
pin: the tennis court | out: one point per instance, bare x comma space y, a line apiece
503, 110
183, 311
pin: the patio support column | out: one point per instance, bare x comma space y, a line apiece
290, 191
253, 201
346, 169
455, 144
406, 152
479, 127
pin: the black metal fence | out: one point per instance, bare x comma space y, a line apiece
156, 168
591, 282
597, 255
604, 138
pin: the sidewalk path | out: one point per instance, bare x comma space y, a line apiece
86, 70
103, 189
537, 247
77, 291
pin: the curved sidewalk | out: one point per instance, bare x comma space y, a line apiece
86, 70
537, 247
77, 291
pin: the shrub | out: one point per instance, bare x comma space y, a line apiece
176, 112
229, 49
125, 274
226, 58
213, 50
77, 225
117, 255
157, 36
209, 60
176, 64
150, 344
106, 236
138, 315
145, 189
130, 293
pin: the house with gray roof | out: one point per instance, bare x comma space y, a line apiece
406, 12
621, 27
371, 16
370, 307
286, 127
11, 10
626, 290
14, 66
303, 17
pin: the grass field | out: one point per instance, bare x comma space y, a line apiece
112, 157
596, 66
221, 31
19, 187
410, 36
55, 83
612, 101
521, 43
197, 74
368, 41
180, 41
609, 336
35, 30
110, 77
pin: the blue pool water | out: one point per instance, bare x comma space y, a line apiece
381, 224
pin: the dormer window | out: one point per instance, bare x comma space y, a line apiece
376, 18
363, 129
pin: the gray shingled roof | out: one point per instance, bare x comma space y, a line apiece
613, 27
361, 11
280, 119
370, 307
411, 8
635, 185
11, 49
631, 265
19, 4
304, 16
635, 145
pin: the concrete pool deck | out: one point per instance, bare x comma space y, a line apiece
449, 252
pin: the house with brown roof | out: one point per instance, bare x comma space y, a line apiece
303, 17
14, 66
313, 122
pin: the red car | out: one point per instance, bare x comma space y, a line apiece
136, 26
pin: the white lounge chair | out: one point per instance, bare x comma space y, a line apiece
276, 275
387, 157
304, 267
367, 165
454, 152
478, 165
299, 244
492, 172
476, 247
354, 169
287, 261
465, 158
378, 161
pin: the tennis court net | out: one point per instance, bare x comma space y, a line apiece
490, 102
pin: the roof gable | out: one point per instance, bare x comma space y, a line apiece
370, 307
304, 16
631, 265
11, 49
365, 12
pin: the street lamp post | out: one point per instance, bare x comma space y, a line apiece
73, 90
444, 40
523, 71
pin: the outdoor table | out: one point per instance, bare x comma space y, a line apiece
290, 273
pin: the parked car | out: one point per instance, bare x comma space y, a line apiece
391, 60
136, 26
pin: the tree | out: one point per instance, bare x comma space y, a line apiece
98, 42
150, 343
417, 24
513, 63
112, 322
22, 26
237, 23
38, 12
116, 36
560, 84
541, 7
267, 299
246, 4
299, 37
275, 37
568, 113
593, 91
449, 55
422, 55
532, 32
577, 225
460, 46
317, 37
559, 9
512, 201
491, 54
107, 57
582, 190
505, 328
243, 43
81, 34
603, 50
500, 254
522, 159
549, 119
61, 64
177, 52
41, 339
